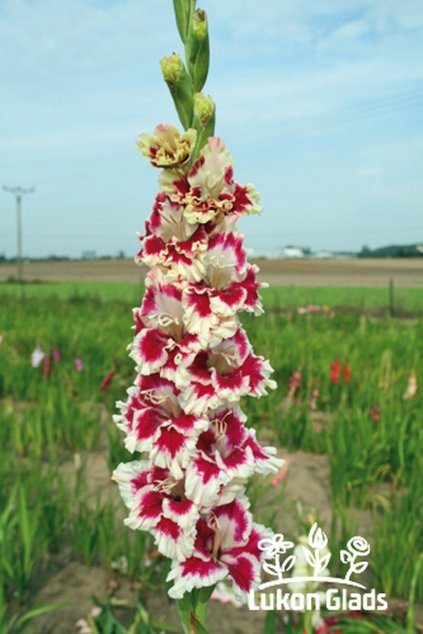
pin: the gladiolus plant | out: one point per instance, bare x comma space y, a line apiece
193, 359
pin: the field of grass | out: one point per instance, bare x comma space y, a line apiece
52, 418
287, 297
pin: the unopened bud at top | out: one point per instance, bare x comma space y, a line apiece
199, 24
197, 47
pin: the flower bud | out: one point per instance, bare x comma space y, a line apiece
199, 25
204, 121
198, 49
204, 108
172, 68
180, 86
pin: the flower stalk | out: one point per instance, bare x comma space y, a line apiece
193, 359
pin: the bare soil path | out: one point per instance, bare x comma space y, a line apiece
407, 273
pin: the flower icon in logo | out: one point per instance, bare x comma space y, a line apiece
317, 538
356, 547
318, 541
273, 547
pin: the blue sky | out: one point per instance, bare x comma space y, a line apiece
319, 101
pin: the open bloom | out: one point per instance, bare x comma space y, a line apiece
157, 503
171, 243
227, 453
208, 190
222, 375
226, 545
155, 423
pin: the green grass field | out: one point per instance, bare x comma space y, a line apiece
405, 299
371, 434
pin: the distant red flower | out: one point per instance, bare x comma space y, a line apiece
46, 366
277, 479
107, 381
294, 383
335, 372
56, 353
79, 364
347, 374
375, 413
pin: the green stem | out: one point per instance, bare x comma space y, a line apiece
307, 623
193, 609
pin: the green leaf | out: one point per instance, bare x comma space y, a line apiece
183, 11
39, 611
412, 596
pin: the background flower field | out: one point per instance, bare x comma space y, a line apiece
345, 416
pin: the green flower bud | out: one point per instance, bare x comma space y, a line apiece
172, 68
198, 49
204, 121
204, 108
180, 86
199, 24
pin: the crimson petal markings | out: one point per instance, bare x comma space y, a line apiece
194, 363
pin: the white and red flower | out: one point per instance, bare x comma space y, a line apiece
171, 242
227, 454
208, 190
226, 544
157, 503
222, 375
155, 423
194, 363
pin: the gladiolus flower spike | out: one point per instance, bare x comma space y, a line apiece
193, 359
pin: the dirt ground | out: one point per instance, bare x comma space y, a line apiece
407, 273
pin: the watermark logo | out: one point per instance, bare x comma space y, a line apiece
294, 577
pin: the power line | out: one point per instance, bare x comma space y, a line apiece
378, 107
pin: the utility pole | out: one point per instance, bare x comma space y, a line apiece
19, 193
